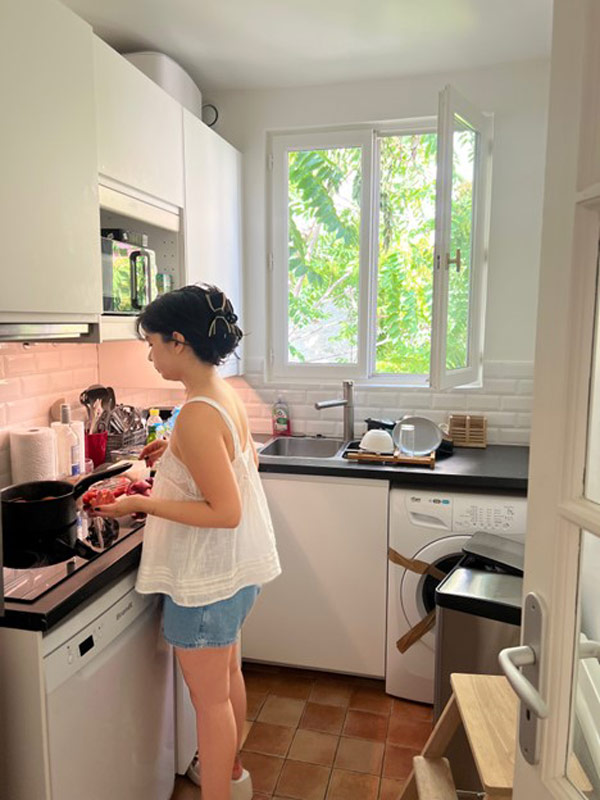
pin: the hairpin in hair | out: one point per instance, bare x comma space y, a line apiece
221, 313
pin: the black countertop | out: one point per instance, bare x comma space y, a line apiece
55, 605
496, 467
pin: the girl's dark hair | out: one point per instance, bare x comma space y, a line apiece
203, 315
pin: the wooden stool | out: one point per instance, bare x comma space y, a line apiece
486, 707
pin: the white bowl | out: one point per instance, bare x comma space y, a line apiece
377, 441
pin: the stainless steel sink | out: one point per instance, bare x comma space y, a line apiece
304, 447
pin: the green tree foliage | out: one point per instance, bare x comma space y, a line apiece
324, 242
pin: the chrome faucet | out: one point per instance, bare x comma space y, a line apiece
348, 402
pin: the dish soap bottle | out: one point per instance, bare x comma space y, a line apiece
154, 426
281, 418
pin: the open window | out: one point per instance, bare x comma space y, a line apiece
378, 250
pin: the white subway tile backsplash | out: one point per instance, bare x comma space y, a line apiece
500, 386
505, 400
516, 403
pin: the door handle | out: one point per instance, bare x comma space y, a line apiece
511, 658
526, 684
589, 649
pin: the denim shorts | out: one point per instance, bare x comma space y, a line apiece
215, 625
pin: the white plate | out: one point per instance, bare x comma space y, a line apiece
428, 435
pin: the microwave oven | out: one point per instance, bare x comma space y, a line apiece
128, 277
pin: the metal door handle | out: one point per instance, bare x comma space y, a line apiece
589, 649
511, 658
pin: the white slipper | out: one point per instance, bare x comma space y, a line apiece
241, 788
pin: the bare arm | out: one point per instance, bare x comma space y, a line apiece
203, 449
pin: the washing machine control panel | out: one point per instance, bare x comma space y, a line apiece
493, 515
467, 513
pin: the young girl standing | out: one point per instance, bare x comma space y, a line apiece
208, 541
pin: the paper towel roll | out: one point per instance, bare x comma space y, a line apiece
32, 454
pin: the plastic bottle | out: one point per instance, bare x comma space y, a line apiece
154, 426
67, 445
281, 418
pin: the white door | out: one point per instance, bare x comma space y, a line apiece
559, 754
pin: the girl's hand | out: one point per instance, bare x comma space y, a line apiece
124, 506
153, 451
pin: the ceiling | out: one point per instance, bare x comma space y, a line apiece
247, 44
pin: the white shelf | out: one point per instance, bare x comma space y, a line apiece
117, 329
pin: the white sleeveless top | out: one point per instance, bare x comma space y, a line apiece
198, 566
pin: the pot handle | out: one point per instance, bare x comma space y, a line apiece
110, 472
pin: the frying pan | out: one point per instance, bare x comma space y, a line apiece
49, 507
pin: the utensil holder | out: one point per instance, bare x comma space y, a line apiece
95, 447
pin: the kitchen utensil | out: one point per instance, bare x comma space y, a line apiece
385, 424
35, 513
95, 447
91, 394
407, 439
377, 441
428, 435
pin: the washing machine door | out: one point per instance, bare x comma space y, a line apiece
417, 592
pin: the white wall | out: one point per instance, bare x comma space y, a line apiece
517, 94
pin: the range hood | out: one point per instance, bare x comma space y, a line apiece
48, 332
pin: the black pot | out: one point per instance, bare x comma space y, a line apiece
48, 508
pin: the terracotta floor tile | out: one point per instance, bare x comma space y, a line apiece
390, 789
271, 740
319, 717
299, 688
264, 770
366, 725
409, 732
359, 755
184, 789
314, 747
352, 786
303, 781
281, 711
409, 710
258, 681
255, 701
332, 693
371, 700
398, 761
247, 728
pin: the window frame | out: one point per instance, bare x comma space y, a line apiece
367, 136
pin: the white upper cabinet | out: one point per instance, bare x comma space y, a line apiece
212, 217
48, 190
138, 128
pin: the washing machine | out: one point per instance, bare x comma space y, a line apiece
430, 528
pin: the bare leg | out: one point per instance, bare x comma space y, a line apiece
237, 695
206, 672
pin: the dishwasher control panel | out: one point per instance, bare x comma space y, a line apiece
77, 651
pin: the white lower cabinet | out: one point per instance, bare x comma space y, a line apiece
327, 609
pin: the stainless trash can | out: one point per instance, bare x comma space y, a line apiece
478, 613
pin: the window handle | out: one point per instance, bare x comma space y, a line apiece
455, 260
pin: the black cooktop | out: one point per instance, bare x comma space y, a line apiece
39, 572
